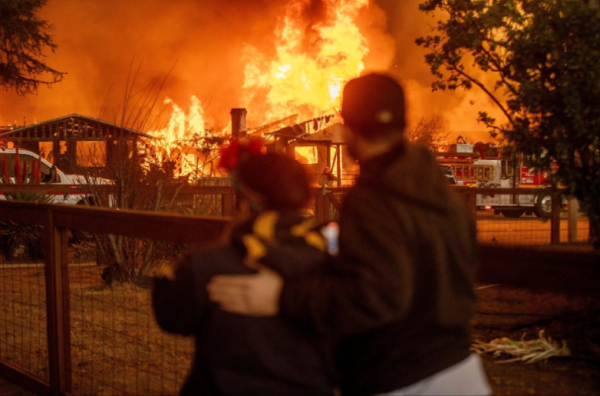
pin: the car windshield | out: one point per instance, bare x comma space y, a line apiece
10, 164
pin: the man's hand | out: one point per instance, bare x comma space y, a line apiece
253, 295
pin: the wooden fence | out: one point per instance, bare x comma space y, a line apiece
325, 205
328, 204
57, 220
226, 194
546, 268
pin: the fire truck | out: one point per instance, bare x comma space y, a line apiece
473, 169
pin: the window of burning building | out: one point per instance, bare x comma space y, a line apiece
46, 151
307, 155
91, 154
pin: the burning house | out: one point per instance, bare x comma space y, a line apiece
289, 77
75, 143
319, 145
288, 94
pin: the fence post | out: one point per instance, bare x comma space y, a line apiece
321, 207
470, 199
555, 219
573, 216
472, 202
58, 307
228, 203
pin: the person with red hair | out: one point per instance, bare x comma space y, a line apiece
239, 355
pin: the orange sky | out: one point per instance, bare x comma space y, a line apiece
202, 42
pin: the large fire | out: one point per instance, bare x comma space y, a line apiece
181, 126
307, 73
185, 140
314, 56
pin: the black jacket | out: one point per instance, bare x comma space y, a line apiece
401, 292
239, 355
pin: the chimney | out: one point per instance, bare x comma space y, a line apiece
238, 123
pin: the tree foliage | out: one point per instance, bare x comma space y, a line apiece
23, 39
544, 59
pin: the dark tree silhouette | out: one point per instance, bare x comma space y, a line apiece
544, 59
23, 39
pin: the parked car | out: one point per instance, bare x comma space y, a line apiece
50, 174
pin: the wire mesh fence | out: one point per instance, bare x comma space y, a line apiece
23, 330
116, 345
210, 197
511, 225
66, 327
113, 344
527, 229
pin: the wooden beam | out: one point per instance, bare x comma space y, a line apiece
142, 224
228, 203
497, 191
27, 381
555, 219
22, 212
321, 207
58, 306
84, 189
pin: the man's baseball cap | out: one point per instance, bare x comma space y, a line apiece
373, 104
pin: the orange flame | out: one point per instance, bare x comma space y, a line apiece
307, 76
182, 126
314, 58
180, 141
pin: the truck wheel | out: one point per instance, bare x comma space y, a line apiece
512, 213
543, 204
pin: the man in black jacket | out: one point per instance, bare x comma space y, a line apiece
401, 292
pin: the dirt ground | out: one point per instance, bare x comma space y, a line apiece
7, 388
116, 346
511, 312
502, 312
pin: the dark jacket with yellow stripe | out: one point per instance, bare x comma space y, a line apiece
239, 355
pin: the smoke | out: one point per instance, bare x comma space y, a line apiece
199, 44
99, 41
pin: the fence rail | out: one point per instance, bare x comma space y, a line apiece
56, 220
326, 202
559, 227
537, 268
